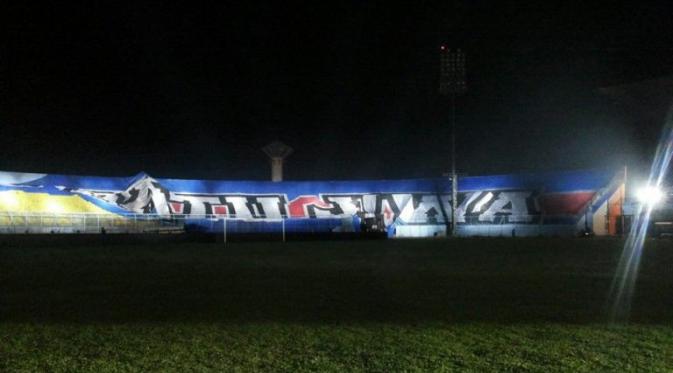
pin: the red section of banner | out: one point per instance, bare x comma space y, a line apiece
177, 207
615, 206
219, 209
564, 203
297, 206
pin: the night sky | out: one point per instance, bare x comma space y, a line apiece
192, 91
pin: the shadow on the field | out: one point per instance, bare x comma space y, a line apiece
503, 282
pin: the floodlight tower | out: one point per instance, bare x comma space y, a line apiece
452, 84
277, 152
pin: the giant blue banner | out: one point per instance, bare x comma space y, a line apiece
520, 199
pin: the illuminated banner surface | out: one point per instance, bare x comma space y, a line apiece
535, 198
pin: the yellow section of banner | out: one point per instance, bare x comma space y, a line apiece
18, 201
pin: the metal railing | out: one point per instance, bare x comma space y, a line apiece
93, 223
35, 223
12, 222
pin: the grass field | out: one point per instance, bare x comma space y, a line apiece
463, 304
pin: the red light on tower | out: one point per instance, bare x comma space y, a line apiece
442, 47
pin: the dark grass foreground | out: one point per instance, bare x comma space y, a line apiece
478, 304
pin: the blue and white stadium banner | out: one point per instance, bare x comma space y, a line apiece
533, 203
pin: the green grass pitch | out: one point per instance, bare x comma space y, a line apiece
403, 305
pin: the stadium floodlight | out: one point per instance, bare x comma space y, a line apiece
452, 83
649, 195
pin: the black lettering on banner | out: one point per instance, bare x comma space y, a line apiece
380, 198
256, 209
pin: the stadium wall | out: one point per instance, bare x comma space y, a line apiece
558, 203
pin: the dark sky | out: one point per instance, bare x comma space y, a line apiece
193, 91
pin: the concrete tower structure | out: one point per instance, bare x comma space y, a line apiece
277, 152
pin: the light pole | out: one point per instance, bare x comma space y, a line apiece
452, 83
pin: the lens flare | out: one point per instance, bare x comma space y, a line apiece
649, 195
624, 281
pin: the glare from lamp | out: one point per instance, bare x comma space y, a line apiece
54, 207
8, 200
649, 195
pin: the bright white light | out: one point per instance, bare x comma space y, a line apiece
649, 195
54, 207
8, 200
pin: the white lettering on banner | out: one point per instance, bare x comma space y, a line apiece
482, 202
347, 205
240, 205
424, 209
476, 207
512, 204
272, 206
